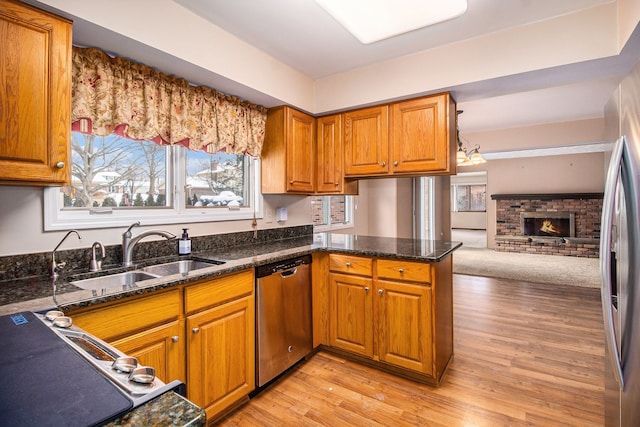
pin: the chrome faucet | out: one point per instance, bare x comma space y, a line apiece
55, 266
128, 242
96, 265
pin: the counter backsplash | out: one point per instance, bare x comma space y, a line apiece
38, 264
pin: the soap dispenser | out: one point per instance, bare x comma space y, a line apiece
184, 244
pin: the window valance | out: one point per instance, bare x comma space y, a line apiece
115, 95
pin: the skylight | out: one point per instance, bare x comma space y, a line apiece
374, 20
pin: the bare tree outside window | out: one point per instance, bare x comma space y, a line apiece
113, 171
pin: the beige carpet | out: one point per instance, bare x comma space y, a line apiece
534, 268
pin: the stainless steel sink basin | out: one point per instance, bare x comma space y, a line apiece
125, 280
179, 267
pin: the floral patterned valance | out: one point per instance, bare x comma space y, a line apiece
115, 95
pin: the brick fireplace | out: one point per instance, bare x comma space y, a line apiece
552, 224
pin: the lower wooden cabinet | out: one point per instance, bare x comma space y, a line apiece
161, 347
404, 325
202, 334
221, 355
397, 314
351, 313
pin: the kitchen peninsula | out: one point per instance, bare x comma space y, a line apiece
385, 302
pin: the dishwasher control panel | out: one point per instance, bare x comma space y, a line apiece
268, 269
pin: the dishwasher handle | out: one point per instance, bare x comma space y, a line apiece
289, 273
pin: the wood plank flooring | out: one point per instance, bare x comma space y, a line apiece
525, 355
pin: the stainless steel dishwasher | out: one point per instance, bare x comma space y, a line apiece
283, 314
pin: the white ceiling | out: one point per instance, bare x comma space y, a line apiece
302, 35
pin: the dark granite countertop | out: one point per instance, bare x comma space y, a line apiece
38, 293
168, 406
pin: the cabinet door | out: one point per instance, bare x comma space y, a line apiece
366, 141
35, 107
300, 151
420, 136
404, 329
162, 348
330, 158
351, 323
221, 355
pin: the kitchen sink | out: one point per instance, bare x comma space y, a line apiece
179, 267
125, 280
128, 280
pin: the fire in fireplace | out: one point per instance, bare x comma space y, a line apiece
547, 224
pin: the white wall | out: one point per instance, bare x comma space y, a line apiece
22, 225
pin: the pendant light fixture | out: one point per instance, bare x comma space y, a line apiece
467, 156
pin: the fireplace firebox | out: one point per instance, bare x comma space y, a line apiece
547, 224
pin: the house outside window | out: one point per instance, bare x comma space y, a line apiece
331, 212
116, 181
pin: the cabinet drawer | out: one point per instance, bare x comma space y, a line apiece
125, 318
404, 270
218, 290
350, 264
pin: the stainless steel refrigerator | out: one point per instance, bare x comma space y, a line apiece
620, 257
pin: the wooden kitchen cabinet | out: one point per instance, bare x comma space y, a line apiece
161, 347
330, 158
414, 137
288, 159
366, 141
35, 107
202, 334
351, 322
403, 292
149, 328
394, 314
221, 342
423, 136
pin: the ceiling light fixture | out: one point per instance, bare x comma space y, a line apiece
467, 156
374, 20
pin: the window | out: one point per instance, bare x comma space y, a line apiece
116, 181
332, 212
469, 198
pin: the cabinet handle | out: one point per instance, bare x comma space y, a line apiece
290, 182
337, 183
195, 330
175, 338
395, 163
380, 291
401, 270
348, 264
366, 289
60, 165
383, 164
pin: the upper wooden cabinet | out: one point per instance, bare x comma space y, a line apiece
423, 135
330, 158
288, 153
414, 137
366, 141
35, 106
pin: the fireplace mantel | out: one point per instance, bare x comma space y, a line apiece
547, 196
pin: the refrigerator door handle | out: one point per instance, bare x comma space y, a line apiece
605, 257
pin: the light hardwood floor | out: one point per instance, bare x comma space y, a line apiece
525, 355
